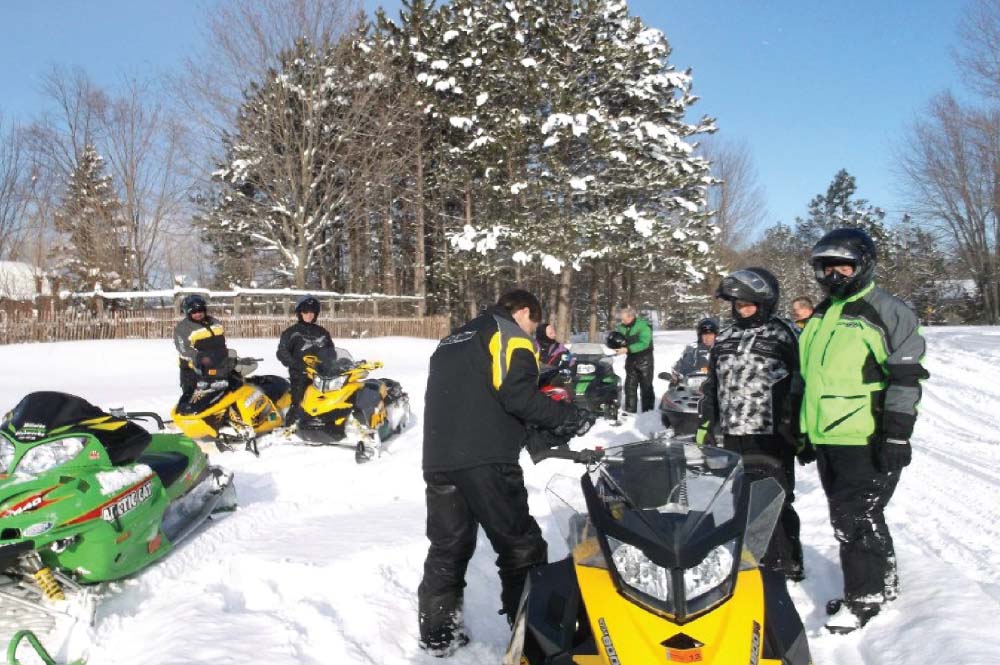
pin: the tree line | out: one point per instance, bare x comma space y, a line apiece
457, 148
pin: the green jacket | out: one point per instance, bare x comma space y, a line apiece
639, 335
860, 360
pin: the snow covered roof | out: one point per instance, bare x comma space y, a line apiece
17, 281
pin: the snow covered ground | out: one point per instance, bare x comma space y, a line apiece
321, 562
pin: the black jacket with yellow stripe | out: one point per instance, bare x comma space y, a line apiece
482, 391
191, 337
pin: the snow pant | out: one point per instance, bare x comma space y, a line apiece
639, 374
858, 494
458, 502
770, 456
298, 383
189, 380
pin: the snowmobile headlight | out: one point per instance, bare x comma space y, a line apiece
637, 571
585, 368
6, 454
46, 456
694, 382
325, 385
713, 571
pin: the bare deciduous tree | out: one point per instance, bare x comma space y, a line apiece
979, 53
13, 195
242, 42
951, 166
737, 200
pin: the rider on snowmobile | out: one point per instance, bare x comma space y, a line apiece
198, 333
297, 341
695, 356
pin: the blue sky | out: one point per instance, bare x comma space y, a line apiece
812, 87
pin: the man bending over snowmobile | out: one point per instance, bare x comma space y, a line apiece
198, 332
482, 393
299, 340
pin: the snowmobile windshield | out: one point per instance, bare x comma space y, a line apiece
667, 519
39, 413
588, 352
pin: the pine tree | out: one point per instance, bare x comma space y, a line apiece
93, 249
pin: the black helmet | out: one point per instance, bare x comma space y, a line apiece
616, 340
756, 285
307, 304
851, 247
707, 326
194, 303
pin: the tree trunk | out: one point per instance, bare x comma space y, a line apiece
592, 305
564, 315
388, 263
419, 251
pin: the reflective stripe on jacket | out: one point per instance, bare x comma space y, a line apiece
861, 363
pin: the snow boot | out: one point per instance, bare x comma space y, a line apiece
795, 572
444, 642
847, 616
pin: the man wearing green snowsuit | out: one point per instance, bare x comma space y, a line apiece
639, 363
860, 357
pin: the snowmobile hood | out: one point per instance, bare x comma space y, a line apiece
671, 521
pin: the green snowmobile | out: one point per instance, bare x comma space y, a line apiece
88, 496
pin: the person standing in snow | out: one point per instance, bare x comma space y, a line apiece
861, 358
802, 309
639, 361
482, 393
198, 332
751, 400
303, 338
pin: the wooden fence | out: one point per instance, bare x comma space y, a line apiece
46, 326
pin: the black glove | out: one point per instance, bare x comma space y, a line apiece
891, 454
805, 453
578, 424
541, 441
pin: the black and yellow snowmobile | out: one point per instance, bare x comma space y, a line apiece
665, 539
342, 406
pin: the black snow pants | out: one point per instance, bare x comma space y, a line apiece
639, 374
858, 494
458, 502
769, 456
189, 380
298, 381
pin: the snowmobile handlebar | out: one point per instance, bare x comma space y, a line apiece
578, 456
138, 415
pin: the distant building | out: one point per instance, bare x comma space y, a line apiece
22, 281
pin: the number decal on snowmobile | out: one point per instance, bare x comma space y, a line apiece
31, 503
755, 644
126, 503
609, 648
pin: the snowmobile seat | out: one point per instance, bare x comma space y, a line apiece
273, 386
168, 466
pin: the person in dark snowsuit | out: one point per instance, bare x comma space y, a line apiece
303, 338
482, 394
639, 361
551, 351
695, 356
861, 354
751, 400
197, 333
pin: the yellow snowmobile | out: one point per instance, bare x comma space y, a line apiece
665, 539
342, 406
230, 407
